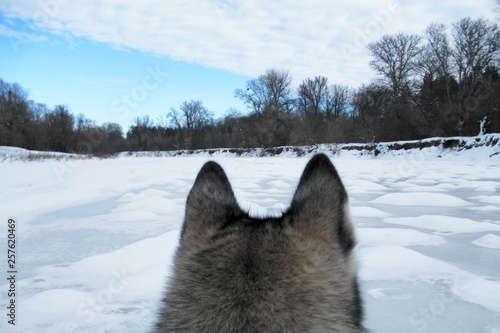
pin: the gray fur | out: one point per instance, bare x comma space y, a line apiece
234, 273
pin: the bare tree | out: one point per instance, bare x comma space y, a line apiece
311, 104
477, 46
14, 114
36, 138
476, 52
192, 117
337, 101
268, 93
313, 95
270, 100
368, 104
436, 56
434, 96
396, 59
113, 138
60, 128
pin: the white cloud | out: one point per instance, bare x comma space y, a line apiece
17, 37
308, 38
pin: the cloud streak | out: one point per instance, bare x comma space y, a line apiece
22, 37
246, 37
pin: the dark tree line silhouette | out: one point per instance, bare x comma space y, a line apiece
426, 85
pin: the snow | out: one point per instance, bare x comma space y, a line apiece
363, 186
492, 199
400, 263
490, 241
421, 199
444, 223
367, 212
394, 236
96, 238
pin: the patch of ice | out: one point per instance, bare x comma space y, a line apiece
145, 263
422, 181
278, 184
245, 185
402, 264
415, 188
401, 185
446, 186
486, 208
55, 307
151, 204
486, 188
387, 293
359, 211
483, 185
272, 190
395, 236
363, 186
100, 292
399, 263
489, 199
444, 223
478, 290
421, 199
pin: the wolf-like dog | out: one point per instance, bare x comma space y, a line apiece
236, 273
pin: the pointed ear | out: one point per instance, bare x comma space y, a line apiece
210, 203
320, 203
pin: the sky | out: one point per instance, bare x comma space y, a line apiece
115, 60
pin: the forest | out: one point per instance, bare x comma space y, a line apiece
443, 82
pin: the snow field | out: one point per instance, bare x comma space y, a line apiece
97, 237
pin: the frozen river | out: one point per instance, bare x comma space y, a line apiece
95, 238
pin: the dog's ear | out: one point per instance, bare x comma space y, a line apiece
211, 202
320, 203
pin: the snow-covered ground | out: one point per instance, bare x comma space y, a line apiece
95, 238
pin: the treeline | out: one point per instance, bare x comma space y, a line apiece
426, 85
31, 125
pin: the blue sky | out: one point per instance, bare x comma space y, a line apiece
114, 60
106, 83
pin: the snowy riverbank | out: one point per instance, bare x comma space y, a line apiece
473, 148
